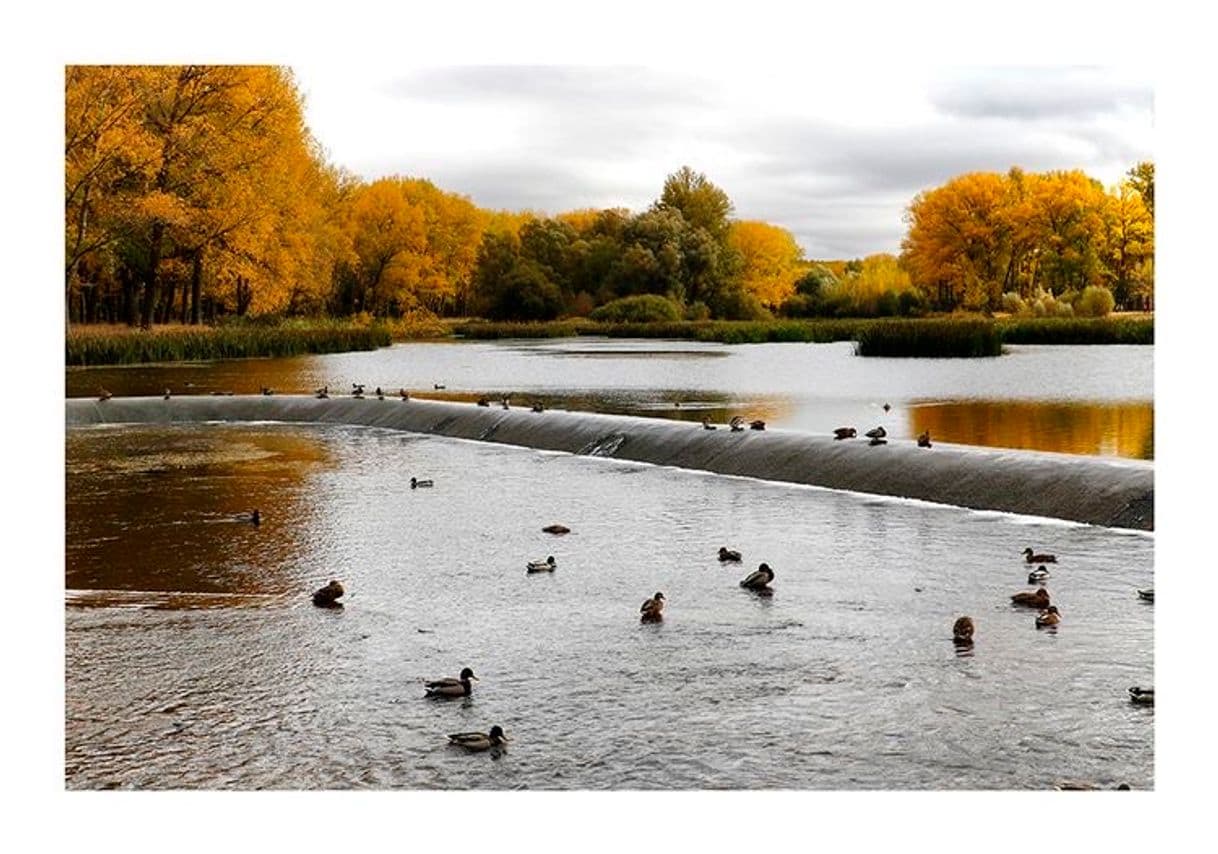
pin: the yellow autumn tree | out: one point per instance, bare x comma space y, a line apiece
770, 259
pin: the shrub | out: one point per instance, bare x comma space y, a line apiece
1013, 303
644, 308
1094, 301
697, 311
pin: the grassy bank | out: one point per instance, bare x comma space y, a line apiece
123, 345
932, 337
1116, 329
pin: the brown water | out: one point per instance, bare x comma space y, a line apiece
1083, 400
195, 660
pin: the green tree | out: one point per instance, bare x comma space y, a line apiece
703, 204
1142, 177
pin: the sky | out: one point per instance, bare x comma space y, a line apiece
834, 158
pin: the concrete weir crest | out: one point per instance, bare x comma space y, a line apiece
1100, 491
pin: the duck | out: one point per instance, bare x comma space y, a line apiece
220, 393
357, 390
737, 424
415, 483
1081, 786
887, 406
507, 402
1048, 617
1148, 594
962, 631
726, 554
1142, 696
380, 395
924, 439
254, 517
476, 742
844, 433
1038, 575
760, 579
402, 393
757, 425
876, 440
876, 433
547, 565
102, 394
328, 596
556, 529
706, 425
267, 391
459, 687
1039, 599
439, 386
484, 401
652, 609
537, 407
166, 394
323, 392
1031, 557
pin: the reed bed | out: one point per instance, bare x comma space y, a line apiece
122, 345
1139, 329
930, 338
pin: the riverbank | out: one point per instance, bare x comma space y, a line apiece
120, 345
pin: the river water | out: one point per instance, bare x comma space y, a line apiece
194, 658
1072, 399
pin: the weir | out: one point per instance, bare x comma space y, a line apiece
1099, 491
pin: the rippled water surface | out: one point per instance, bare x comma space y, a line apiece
195, 659
1084, 400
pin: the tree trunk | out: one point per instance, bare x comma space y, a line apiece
196, 285
150, 277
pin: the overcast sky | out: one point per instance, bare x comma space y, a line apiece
835, 157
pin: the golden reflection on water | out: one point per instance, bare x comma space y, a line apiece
1105, 429
152, 514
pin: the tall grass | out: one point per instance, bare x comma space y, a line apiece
933, 337
1078, 330
121, 345
492, 330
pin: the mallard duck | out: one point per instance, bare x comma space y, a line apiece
876, 433
652, 609
845, 433
166, 394
924, 439
1081, 786
1142, 696
737, 424
459, 687
415, 483
759, 579
1039, 599
380, 395
1148, 594
1030, 557
357, 389
1048, 617
547, 565
962, 630
254, 518
402, 393
323, 392
327, 597
476, 742
706, 425
484, 401
887, 406
876, 440
726, 554
757, 425
556, 529
102, 394
439, 386
267, 390
537, 407
507, 402
1038, 576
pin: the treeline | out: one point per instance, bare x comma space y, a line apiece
195, 192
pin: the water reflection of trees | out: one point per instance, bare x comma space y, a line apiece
154, 509
1109, 429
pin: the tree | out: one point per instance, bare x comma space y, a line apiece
702, 203
1142, 179
770, 259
